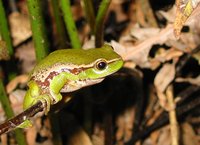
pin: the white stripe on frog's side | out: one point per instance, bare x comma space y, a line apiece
58, 68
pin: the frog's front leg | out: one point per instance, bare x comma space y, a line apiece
57, 84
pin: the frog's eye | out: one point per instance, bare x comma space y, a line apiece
101, 64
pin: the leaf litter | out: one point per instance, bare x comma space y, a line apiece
154, 53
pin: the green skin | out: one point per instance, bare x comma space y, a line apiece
66, 71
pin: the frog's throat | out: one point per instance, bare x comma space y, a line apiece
75, 85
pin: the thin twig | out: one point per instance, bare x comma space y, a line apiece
172, 116
12, 123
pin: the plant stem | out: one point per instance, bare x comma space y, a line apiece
4, 29
70, 24
174, 126
12, 4
38, 28
99, 22
62, 38
9, 113
89, 13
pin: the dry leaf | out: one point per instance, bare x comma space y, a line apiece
166, 55
197, 56
164, 77
98, 135
80, 138
194, 81
20, 27
16, 97
26, 54
116, 7
139, 53
13, 83
184, 10
120, 49
4, 139
188, 135
31, 134
169, 15
159, 137
124, 124
144, 33
164, 138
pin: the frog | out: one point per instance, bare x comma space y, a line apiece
68, 70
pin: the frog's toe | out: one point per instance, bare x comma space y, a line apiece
25, 124
46, 101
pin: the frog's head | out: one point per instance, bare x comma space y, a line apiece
104, 61
95, 65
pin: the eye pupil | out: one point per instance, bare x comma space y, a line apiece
101, 65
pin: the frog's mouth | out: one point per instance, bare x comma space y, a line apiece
93, 81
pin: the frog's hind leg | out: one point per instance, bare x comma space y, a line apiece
46, 102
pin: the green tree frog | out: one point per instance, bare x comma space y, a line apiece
68, 70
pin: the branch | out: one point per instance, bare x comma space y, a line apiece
12, 123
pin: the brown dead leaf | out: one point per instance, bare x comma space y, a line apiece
194, 81
90, 43
120, 49
13, 83
98, 135
20, 27
139, 53
80, 138
3, 51
26, 54
184, 11
144, 33
164, 138
159, 137
169, 15
197, 56
124, 124
163, 78
31, 134
116, 6
16, 97
188, 135
163, 55
167, 55
4, 139
179, 45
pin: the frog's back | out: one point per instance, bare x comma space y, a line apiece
75, 57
